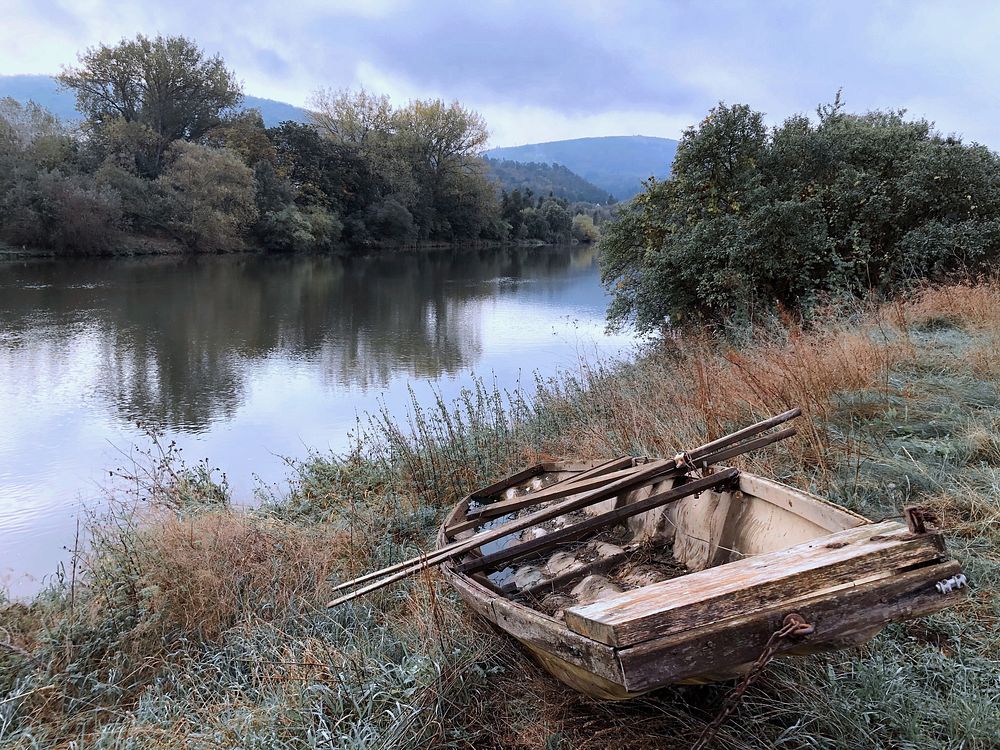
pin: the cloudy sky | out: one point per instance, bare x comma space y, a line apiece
546, 70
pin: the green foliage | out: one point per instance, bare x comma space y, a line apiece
34, 134
295, 229
549, 220
212, 196
752, 218
584, 229
545, 179
166, 84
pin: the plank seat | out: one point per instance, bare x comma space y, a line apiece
738, 589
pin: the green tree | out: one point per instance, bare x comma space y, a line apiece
166, 84
212, 195
584, 229
751, 217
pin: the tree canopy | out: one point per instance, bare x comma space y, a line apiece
164, 153
757, 217
165, 84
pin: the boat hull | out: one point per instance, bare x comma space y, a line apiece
720, 641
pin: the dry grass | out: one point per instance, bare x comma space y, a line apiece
966, 305
697, 388
201, 574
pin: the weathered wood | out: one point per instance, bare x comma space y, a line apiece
821, 512
746, 432
508, 481
582, 482
698, 457
723, 646
573, 466
473, 593
555, 491
706, 459
550, 635
746, 585
402, 570
583, 528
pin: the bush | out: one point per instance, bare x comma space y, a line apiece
584, 229
756, 218
294, 229
212, 194
390, 220
68, 214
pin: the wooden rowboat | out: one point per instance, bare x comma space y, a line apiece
693, 590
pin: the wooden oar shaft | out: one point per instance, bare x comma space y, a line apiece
572, 531
650, 470
696, 456
735, 437
611, 465
702, 456
553, 492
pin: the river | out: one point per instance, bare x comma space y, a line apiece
247, 359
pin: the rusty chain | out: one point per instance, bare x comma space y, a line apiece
793, 626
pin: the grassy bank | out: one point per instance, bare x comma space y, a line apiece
191, 624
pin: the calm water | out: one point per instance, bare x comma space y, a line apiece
247, 359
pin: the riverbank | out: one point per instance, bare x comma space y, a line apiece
193, 624
137, 246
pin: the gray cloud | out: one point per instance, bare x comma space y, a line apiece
562, 68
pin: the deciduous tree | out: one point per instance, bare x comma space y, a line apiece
167, 84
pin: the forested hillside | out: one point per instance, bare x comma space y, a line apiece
616, 164
545, 179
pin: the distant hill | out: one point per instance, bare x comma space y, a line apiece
616, 164
543, 179
45, 91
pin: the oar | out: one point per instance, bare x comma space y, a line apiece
648, 471
627, 511
554, 492
553, 538
658, 468
477, 517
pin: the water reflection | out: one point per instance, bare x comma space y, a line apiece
247, 357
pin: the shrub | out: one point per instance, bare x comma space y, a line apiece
68, 214
212, 194
294, 229
753, 218
584, 229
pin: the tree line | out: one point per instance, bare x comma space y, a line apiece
754, 218
164, 153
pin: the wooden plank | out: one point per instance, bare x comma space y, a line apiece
555, 491
473, 593
743, 586
573, 466
724, 646
406, 568
551, 636
508, 481
583, 528
815, 509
